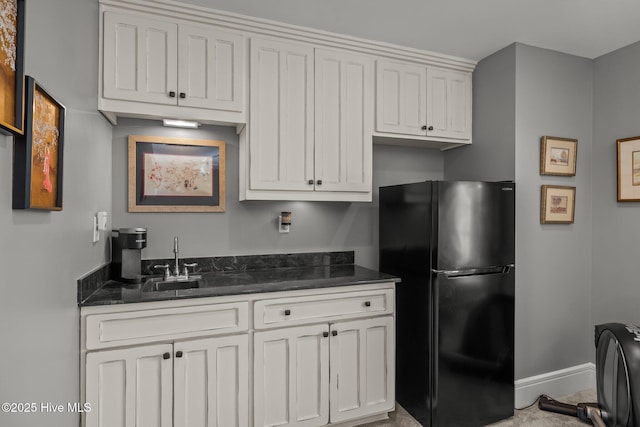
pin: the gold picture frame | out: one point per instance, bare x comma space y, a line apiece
12, 78
176, 174
38, 152
628, 165
557, 204
558, 156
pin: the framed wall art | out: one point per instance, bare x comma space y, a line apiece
557, 204
38, 153
176, 174
12, 83
558, 156
629, 169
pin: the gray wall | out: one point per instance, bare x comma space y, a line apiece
520, 94
249, 227
44, 253
616, 297
491, 155
554, 96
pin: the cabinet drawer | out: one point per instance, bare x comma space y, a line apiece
318, 308
136, 327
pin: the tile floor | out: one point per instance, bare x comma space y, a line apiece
529, 417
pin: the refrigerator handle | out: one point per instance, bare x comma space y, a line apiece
498, 269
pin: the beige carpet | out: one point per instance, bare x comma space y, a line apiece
529, 417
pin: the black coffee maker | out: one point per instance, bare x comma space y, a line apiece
126, 254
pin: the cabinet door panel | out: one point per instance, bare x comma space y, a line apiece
211, 382
210, 68
140, 57
281, 111
449, 104
130, 387
291, 377
362, 368
344, 124
401, 98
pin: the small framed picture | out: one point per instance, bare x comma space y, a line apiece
557, 204
176, 174
629, 169
558, 156
38, 153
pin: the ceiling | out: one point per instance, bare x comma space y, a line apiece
470, 29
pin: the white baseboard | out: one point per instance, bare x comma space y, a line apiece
555, 384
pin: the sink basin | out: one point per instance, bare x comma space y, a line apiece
160, 285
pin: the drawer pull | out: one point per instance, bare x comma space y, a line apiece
178, 353
325, 334
367, 303
287, 312
334, 333
166, 356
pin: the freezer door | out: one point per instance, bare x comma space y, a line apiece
472, 373
474, 225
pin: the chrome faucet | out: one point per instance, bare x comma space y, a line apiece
176, 271
168, 276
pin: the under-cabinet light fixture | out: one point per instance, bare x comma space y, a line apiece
188, 124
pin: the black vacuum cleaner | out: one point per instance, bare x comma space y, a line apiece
618, 380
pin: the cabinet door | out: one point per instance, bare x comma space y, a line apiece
140, 59
210, 73
291, 377
131, 387
343, 121
281, 116
448, 104
362, 368
211, 382
401, 98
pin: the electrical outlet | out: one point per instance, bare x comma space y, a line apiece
96, 233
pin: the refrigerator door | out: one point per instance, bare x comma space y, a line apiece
472, 375
474, 225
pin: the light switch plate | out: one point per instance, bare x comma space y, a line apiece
96, 233
102, 221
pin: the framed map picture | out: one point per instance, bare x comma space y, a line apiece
557, 204
176, 174
629, 169
558, 156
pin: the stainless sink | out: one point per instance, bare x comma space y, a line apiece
160, 284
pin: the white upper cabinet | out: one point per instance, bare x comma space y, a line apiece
448, 104
401, 98
416, 102
310, 124
140, 59
154, 67
344, 121
281, 116
209, 68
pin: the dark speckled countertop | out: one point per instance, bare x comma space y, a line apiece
240, 281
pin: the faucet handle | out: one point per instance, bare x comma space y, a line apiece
187, 266
167, 273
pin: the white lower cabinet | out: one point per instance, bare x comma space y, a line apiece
195, 383
211, 380
362, 361
130, 387
303, 358
310, 376
291, 377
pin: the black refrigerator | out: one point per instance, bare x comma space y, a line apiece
452, 244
